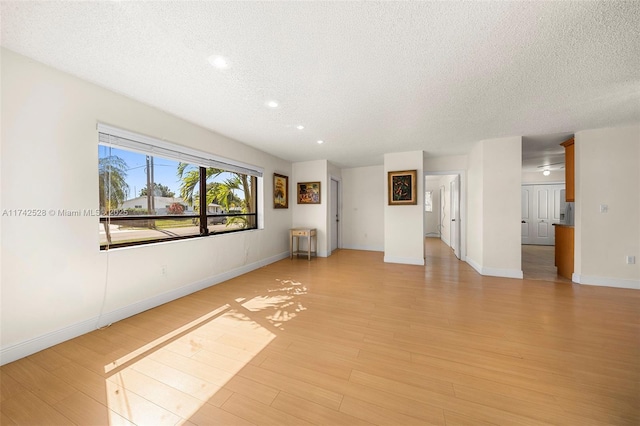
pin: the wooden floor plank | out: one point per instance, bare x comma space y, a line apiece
470, 408
377, 415
137, 409
303, 388
83, 410
551, 414
26, 408
9, 386
259, 413
186, 383
40, 382
312, 412
209, 415
169, 398
84, 380
252, 389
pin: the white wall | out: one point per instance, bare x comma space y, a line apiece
363, 208
53, 273
607, 172
495, 174
445, 164
475, 193
313, 215
502, 205
404, 224
334, 171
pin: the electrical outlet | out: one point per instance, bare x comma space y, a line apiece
164, 270
631, 260
604, 208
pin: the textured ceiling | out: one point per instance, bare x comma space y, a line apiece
365, 77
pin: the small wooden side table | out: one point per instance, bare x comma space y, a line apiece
296, 233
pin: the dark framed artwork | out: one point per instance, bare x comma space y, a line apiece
280, 191
308, 192
402, 187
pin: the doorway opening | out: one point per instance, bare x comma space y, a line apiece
444, 210
334, 214
543, 202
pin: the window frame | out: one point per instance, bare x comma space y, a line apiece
129, 141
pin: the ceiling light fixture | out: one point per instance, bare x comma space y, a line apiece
320, 141
299, 127
546, 172
272, 104
218, 62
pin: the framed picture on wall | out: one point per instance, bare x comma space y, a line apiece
402, 187
280, 191
308, 192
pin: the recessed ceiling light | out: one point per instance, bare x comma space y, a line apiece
546, 172
300, 127
218, 62
320, 141
272, 104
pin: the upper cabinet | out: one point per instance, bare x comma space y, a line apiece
569, 168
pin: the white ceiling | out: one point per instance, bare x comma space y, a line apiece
365, 77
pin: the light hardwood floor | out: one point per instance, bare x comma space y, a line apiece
349, 340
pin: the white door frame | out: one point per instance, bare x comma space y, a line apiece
455, 215
334, 208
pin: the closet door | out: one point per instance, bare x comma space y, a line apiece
527, 209
542, 213
540, 210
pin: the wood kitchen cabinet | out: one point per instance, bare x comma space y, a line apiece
569, 169
564, 250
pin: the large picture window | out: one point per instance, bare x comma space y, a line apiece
158, 192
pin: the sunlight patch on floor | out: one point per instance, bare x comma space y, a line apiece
169, 379
284, 305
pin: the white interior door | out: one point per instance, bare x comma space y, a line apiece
542, 229
334, 218
455, 216
540, 210
527, 209
443, 215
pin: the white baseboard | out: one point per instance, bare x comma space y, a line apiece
365, 248
36, 344
445, 240
504, 273
494, 272
475, 265
31, 346
404, 260
605, 281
